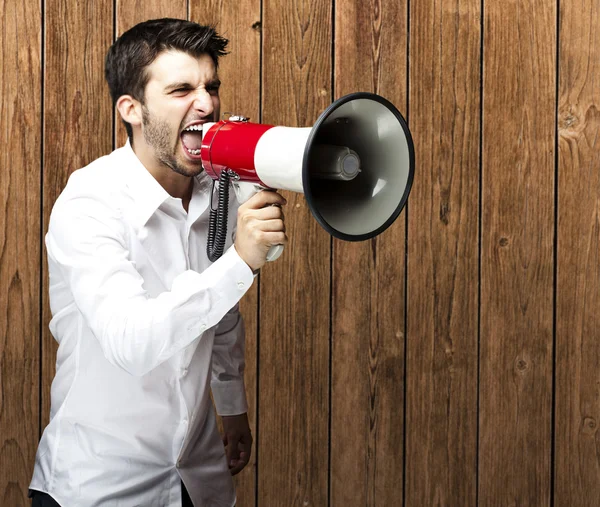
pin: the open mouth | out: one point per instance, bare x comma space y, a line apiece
191, 139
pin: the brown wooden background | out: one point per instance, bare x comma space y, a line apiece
455, 359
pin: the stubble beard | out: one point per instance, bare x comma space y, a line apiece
157, 134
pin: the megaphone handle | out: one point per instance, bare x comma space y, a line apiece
274, 252
245, 190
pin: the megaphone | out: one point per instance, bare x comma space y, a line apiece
355, 166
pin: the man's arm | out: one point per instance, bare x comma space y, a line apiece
86, 240
228, 389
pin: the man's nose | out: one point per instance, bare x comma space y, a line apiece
203, 103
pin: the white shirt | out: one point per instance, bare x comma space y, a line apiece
146, 325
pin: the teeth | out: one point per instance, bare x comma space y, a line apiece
194, 152
197, 128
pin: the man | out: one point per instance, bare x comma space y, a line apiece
146, 325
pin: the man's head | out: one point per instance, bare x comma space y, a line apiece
162, 76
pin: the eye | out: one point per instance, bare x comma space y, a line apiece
181, 91
213, 89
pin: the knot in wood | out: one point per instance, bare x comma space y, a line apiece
568, 119
521, 365
589, 426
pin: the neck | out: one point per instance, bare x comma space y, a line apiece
177, 185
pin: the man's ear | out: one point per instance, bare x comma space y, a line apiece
130, 110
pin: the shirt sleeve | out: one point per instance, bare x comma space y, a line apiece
86, 239
228, 362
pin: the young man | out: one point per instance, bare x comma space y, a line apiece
146, 324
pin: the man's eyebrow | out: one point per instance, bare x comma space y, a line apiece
214, 82
184, 84
178, 84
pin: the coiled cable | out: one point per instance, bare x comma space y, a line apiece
217, 225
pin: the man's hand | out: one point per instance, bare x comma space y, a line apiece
238, 441
260, 225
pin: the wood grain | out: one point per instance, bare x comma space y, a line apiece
77, 120
20, 195
295, 290
443, 248
577, 468
367, 398
240, 93
519, 97
132, 12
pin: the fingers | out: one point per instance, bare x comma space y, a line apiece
237, 464
255, 216
260, 225
266, 220
264, 198
232, 453
268, 213
277, 225
238, 455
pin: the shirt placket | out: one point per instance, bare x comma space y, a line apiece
189, 351
182, 430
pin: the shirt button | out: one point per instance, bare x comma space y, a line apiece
241, 285
184, 372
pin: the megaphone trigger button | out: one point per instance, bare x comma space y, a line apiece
239, 118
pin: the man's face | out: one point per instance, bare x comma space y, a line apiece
182, 91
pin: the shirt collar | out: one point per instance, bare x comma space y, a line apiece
148, 194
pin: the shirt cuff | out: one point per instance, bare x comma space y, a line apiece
241, 270
230, 276
230, 397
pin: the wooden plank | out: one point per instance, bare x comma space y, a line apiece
132, 12
240, 93
577, 467
517, 227
443, 254
367, 398
295, 290
77, 119
20, 195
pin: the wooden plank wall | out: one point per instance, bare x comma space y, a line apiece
455, 359
517, 237
443, 254
577, 324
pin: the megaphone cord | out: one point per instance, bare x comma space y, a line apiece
217, 225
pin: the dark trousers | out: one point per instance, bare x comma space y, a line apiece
40, 499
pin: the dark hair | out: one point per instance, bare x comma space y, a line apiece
130, 55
